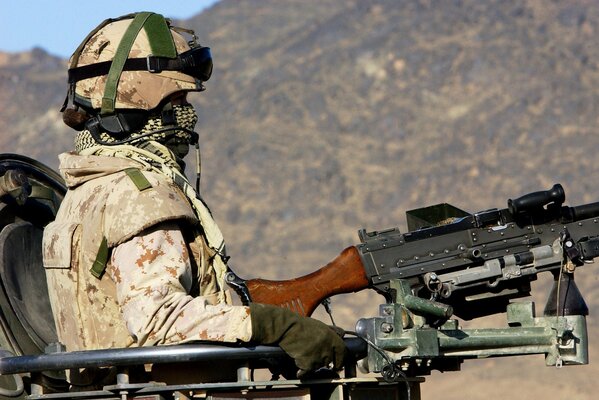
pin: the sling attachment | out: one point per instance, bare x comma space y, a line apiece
99, 266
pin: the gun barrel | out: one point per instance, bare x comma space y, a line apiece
585, 211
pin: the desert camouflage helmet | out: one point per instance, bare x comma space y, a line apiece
134, 62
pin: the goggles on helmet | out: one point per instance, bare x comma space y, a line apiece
196, 62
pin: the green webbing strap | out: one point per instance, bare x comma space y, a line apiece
159, 36
138, 178
121, 55
99, 265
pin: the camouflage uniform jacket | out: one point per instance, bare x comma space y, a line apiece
158, 286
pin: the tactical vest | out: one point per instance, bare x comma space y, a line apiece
95, 217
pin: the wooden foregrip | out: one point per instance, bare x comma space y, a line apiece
345, 274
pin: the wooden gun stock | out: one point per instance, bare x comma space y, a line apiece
345, 274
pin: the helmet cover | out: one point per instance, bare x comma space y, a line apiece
136, 89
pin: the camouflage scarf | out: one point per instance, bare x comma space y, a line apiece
185, 117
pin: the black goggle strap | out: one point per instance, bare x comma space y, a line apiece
196, 62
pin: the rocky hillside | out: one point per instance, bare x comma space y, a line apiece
325, 117
31, 92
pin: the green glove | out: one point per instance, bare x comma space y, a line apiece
310, 343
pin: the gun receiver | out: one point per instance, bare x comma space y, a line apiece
477, 263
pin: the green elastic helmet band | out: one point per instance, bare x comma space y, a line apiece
161, 45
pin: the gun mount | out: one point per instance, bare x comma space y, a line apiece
415, 336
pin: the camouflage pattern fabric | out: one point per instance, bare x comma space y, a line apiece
159, 286
153, 285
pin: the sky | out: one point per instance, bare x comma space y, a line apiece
58, 26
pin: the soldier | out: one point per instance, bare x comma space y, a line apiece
134, 257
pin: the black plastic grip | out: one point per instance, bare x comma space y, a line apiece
536, 200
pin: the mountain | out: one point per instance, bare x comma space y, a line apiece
325, 117
31, 92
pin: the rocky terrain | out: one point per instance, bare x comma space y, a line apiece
325, 117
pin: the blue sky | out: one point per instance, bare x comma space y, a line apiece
58, 26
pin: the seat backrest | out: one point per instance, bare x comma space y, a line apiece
27, 320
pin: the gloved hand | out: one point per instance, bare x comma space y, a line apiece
310, 343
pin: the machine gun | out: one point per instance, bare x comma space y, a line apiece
450, 263
468, 265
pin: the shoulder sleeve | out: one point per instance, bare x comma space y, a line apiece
153, 277
131, 207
